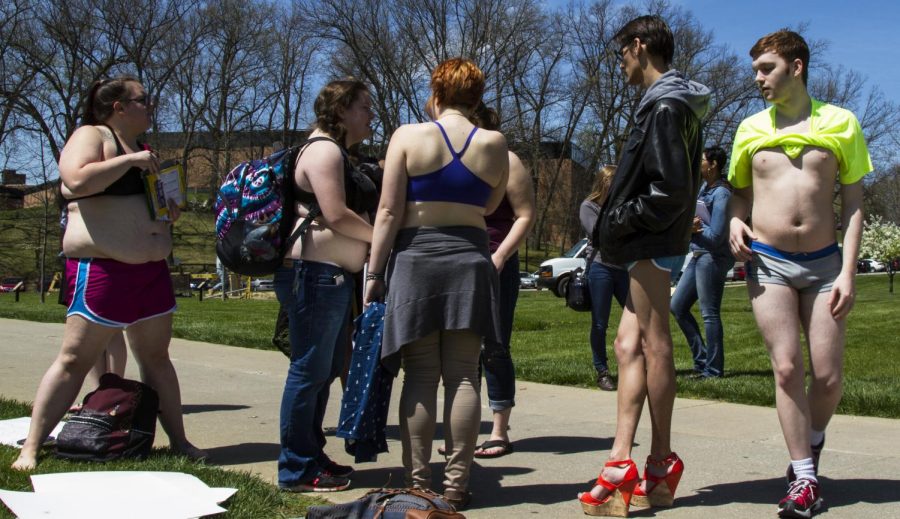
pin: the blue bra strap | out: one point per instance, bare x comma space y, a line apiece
469, 140
450, 146
446, 139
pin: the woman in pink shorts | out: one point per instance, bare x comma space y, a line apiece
116, 273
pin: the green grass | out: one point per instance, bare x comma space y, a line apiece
550, 343
254, 498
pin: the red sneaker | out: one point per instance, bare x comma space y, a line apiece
802, 500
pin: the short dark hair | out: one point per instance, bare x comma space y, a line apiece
716, 154
787, 44
653, 32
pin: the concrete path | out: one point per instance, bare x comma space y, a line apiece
734, 454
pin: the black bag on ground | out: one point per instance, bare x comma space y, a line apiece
117, 420
390, 503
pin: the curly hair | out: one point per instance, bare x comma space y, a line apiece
457, 82
334, 98
100, 97
787, 44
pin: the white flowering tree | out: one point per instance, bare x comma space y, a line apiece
881, 241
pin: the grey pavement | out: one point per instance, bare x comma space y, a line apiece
734, 454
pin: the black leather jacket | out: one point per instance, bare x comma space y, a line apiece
650, 207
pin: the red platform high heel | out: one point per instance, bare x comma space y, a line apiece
654, 493
616, 503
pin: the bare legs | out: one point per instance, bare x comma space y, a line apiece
113, 360
83, 342
646, 368
799, 409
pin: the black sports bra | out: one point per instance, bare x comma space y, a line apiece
131, 183
360, 192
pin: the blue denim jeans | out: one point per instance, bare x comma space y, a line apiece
703, 279
499, 371
317, 298
604, 282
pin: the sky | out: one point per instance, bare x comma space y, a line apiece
863, 35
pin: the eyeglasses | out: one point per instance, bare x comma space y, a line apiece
620, 56
144, 100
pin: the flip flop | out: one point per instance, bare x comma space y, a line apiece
506, 448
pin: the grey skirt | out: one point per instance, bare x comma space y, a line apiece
439, 278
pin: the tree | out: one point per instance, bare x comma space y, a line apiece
881, 241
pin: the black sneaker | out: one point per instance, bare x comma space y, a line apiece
802, 500
324, 482
334, 469
816, 452
605, 381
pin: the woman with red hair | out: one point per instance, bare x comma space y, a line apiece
430, 244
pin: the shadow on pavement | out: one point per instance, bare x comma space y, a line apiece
562, 444
244, 453
206, 408
835, 493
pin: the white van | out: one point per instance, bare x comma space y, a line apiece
555, 273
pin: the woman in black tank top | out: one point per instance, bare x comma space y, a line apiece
107, 239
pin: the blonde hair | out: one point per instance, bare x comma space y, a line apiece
602, 182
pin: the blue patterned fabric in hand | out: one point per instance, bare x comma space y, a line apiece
364, 408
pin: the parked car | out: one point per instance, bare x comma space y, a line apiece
261, 285
739, 272
526, 280
555, 273
869, 265
9, 284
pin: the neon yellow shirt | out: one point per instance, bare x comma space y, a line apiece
830, 127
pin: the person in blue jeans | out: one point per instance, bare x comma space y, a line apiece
704, 276
507, 228
315, 285
604, 281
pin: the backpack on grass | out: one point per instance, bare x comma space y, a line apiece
117, 420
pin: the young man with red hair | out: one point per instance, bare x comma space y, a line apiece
783, 167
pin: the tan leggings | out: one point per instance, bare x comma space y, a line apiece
451, 356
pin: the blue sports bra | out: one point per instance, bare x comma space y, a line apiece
452, 183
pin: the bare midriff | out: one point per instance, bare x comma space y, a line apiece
792, 198
323, 245
443, 214
115, 227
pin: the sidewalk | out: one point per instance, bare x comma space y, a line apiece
734, 454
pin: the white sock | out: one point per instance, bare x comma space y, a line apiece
816, 437
804, 469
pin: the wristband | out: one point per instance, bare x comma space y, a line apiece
374, 277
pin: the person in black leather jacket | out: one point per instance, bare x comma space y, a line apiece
645, 224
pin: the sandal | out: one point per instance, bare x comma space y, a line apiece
653, 493
617, 501
506, 447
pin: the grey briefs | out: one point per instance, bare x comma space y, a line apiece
806, 272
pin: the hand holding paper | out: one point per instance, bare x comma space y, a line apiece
702, 212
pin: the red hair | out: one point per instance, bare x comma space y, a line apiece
457, 82
787, 44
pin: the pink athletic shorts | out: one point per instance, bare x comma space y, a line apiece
116, 294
